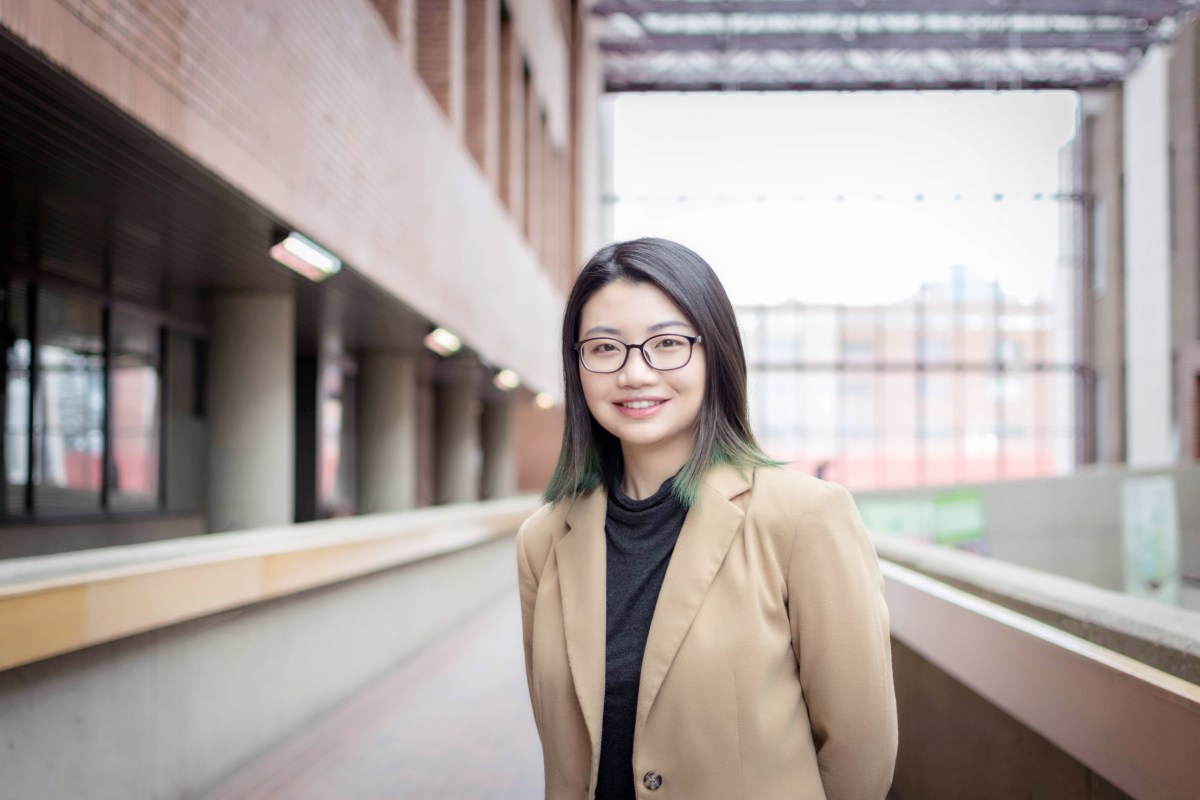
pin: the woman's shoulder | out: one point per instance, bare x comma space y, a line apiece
539, 532
791, 495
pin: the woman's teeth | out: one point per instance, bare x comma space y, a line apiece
641, 404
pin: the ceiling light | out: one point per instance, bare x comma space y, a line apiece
544, 401
506, 380
301, 254
443, 342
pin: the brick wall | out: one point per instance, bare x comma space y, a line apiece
441, 55
512, 123
483, 85
313, 110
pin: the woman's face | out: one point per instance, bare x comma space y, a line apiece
642, 407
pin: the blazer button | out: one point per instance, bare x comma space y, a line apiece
652, 780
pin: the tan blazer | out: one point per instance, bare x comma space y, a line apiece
767, 672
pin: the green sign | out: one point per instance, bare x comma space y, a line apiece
909, 518
958, 517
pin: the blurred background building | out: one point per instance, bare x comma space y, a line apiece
281, 293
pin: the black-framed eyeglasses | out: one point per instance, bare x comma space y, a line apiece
664, 352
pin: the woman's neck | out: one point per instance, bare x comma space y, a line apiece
646, 469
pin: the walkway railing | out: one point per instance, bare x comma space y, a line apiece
1133, 724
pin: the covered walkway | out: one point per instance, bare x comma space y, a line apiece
452, 722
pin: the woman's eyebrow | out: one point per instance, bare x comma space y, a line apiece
675, 323
602, 329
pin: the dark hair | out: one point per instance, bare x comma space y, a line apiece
590, 455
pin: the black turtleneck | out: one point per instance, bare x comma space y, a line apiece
641, 536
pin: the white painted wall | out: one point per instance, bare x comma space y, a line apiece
1152, 434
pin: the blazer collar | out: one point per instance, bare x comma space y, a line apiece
707, 533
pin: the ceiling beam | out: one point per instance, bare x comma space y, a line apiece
1110, 41
718, 83
1149, 10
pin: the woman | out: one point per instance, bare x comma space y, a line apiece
698, 621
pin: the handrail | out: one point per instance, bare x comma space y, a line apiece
1135, 725
189, 578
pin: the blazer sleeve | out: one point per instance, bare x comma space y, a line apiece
840, 636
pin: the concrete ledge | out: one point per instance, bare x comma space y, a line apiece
51, 605
1130, 723
1165, 637
169, 713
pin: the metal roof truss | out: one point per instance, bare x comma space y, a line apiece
757, 45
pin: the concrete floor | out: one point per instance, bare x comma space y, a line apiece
452, 723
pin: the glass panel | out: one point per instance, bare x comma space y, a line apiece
779, 335
69, 412
898, 442
817, 415
335, 479
900, 333
18, 352
981, 445
750, 326
939, 393
821, 335
860, 336
133, 470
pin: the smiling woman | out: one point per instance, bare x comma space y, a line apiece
698, 622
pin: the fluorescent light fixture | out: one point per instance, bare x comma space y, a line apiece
544, 401
443, 342
301, 254
506, 380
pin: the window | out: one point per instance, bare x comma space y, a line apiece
336, 488
68, 421
134, 400
83, 396
17, 397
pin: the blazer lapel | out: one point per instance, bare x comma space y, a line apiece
707, 533
581, 564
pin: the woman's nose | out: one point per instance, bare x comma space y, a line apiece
637, 371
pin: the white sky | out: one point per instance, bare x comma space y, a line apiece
781, 161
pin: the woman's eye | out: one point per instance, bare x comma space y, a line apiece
601, 348
668, 344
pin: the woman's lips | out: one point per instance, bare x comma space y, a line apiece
640, 413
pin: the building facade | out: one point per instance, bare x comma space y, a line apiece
166, 376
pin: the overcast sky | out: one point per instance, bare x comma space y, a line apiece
814, 196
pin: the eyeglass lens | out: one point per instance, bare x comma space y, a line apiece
667, 351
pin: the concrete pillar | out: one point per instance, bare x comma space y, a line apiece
457, 448
251, 408
499, 455
387, 433
1105, 344
1184, 102
483, 85
1152, 427
441, 51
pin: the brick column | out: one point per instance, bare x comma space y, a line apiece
512, 122
483, 85
534, 133
441, 42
